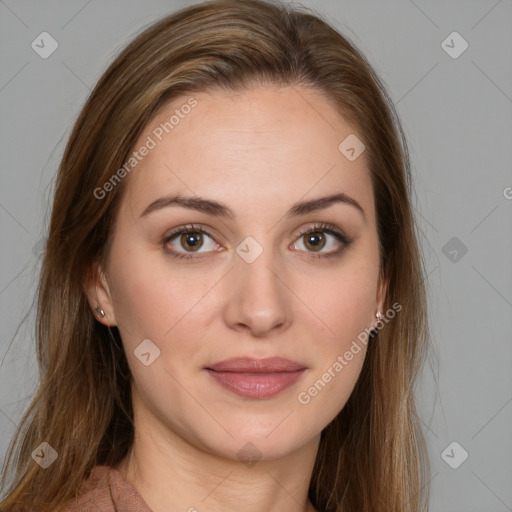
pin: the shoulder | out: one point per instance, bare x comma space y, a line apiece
107, 491
94, 493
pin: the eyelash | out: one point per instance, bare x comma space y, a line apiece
321, 227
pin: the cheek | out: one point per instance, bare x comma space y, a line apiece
343, 302
152, 300
325, 393
343, 306
145, 301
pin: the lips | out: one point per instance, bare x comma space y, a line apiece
252, 365
256, 378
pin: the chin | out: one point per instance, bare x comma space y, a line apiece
258, 441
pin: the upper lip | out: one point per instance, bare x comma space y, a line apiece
254, 365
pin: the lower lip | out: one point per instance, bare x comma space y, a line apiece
256, 385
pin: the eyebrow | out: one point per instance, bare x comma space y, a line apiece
219, 209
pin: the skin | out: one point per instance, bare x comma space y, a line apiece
257, 152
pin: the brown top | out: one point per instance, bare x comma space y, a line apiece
106, 490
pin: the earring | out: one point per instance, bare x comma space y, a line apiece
374, 330
100, 311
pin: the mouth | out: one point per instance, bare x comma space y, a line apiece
256, 378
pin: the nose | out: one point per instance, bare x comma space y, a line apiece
258, 298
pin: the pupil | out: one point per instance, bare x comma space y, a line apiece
192, 240
315, 240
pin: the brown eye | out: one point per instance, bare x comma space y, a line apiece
315, 240
192, 240
322, 241
189, 242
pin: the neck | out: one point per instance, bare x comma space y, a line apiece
171, 472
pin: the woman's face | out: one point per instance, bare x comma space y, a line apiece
245, 282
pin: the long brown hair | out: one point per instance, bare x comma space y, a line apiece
372, 456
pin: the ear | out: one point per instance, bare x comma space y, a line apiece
98, 294
382, 289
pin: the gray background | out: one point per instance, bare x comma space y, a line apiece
457, 113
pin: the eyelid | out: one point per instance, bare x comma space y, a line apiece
327, 228
192, 227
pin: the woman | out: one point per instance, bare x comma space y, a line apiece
231, 311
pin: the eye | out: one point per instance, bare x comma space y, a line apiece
313, 239
316, 238
189, 238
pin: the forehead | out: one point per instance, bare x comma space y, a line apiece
264, 145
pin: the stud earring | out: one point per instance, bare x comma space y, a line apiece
375, 330
100, 311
